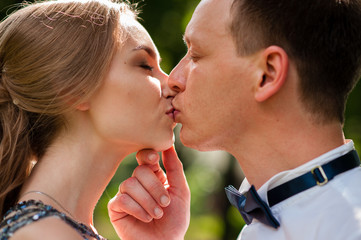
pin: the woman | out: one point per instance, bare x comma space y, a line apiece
80, 89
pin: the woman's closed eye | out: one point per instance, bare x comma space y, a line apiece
146, 67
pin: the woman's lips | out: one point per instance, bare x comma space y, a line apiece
170, 113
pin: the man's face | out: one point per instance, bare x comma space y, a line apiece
215, 97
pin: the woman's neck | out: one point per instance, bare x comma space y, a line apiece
74, 172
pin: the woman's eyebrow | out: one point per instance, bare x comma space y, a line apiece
150, 52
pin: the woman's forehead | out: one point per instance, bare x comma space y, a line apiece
138, 37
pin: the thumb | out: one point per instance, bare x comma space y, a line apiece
174, 170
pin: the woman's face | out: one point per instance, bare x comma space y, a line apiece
133, 106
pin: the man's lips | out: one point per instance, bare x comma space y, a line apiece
176, 112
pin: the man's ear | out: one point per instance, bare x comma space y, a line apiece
274, 64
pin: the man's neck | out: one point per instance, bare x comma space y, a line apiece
273, 150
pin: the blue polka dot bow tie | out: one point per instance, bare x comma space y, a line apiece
250, 205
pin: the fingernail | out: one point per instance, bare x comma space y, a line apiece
164, 200
149, 218
158, 212
152, 157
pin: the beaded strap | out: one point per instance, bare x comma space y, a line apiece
30, 211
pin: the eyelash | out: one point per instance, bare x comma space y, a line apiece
147, 67
193, 57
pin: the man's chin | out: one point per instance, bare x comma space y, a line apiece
192, 142
198, 142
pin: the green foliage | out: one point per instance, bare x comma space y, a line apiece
352, 127
212, 216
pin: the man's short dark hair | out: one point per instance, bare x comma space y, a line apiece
322, 37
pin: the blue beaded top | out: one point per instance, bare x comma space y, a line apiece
31, 211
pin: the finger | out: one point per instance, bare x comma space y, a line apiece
147, 156
151, 158
161, 176
174, 169
139, 194
123, 205
151, 183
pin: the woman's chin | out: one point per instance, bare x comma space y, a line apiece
164, 145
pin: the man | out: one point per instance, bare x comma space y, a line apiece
267, 82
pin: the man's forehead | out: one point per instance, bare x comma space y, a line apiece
216, 8
210, 17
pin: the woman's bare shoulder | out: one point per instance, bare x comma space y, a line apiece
49, 228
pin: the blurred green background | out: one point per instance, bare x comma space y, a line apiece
212, 216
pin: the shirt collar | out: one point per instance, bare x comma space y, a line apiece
288, 175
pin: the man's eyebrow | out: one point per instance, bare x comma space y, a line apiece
185, 39
149, 50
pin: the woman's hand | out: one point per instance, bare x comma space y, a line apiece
150, 204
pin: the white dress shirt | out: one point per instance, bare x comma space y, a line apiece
328, 212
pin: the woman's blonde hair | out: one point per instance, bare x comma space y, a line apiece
53, 55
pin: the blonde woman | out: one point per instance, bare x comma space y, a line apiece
80, 89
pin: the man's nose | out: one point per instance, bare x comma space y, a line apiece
177, 78
167, 92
